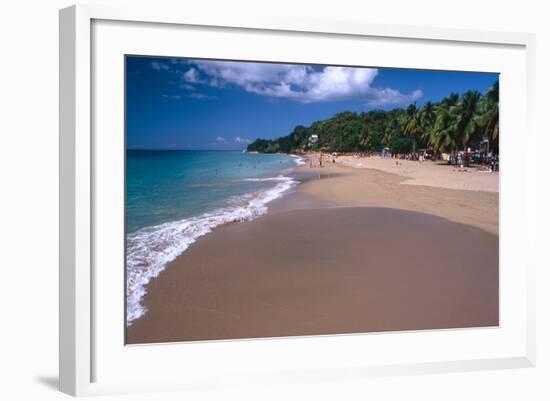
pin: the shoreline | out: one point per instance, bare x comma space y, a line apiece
150, 249
341, 190
325, 271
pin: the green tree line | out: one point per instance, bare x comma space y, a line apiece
453, 124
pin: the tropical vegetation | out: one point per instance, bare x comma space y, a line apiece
453, 124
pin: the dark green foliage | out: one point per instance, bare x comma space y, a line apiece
403, 144
452, 124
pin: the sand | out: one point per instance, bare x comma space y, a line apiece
325, 271
354, 251
347, 186
428, 173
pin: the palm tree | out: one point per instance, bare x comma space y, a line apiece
427, 120
467, 119
364, 137
391, 131
489, 120
442, 135
412, 124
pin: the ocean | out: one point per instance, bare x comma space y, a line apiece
175, 196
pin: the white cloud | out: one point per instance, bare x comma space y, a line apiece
192, 75
239, 139
298, 82
187, 87
158, 66
235, 140
387, 96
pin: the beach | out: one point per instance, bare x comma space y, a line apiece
376, 182
436, 174
360, 246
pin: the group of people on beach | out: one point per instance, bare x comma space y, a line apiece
461, 163
320, 160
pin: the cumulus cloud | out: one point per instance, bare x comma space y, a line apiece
192, 75
301, 83
220, 139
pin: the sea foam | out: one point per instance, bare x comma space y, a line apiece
150, 249
298, 160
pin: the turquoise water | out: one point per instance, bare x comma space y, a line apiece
163, 186
174, 197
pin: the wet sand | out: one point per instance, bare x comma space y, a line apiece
325, 270
353, 250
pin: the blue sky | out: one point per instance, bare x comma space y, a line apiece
203, 104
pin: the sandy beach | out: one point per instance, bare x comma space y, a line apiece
362, 248
378, 183
430, 174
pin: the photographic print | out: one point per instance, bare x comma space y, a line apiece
280, 199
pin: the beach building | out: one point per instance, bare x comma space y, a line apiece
313, 139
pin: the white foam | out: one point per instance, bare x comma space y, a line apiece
151, 248
280, 178
298, 160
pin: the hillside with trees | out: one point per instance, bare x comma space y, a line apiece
453, 124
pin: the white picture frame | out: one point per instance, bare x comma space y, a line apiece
78, 163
